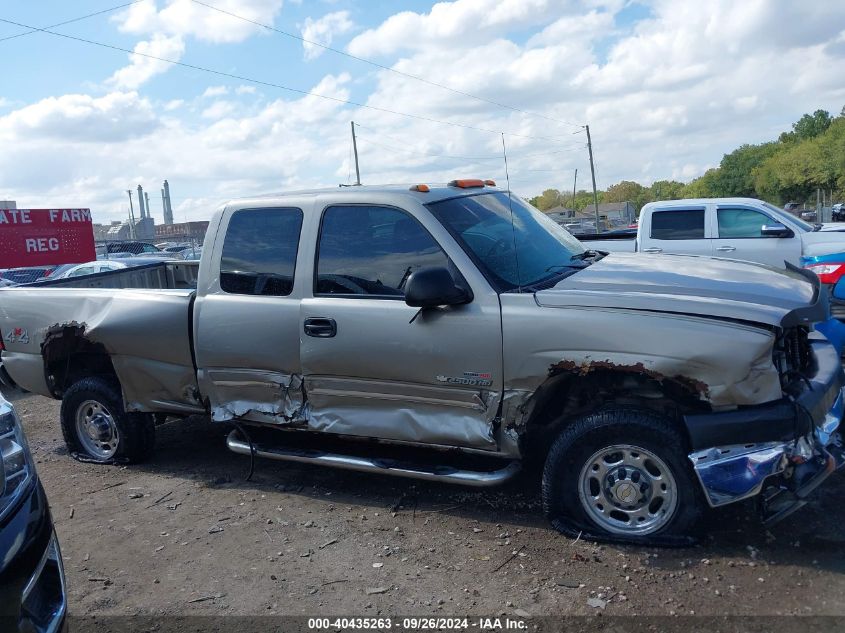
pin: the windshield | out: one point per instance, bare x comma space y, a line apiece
793, 219
482, 224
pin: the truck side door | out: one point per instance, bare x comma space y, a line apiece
676, 230
373, 365
246, 318
740, 237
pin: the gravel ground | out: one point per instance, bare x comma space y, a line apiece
185, 534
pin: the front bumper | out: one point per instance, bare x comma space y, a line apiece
32, 582
791, 446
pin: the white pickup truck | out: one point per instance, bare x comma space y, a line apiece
735, 228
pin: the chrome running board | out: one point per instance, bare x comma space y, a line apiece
445, 474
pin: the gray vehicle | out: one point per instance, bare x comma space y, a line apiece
454, 333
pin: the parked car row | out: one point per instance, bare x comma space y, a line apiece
110, 258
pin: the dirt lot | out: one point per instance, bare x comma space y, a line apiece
185, 534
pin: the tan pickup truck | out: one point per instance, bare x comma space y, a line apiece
453, 333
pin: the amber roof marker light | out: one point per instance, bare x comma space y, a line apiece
420, 188
467, 183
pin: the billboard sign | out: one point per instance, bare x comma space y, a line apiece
45, 237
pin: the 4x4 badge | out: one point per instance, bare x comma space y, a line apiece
17, 335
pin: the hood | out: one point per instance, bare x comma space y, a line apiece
687, 284
824, 242
832, 226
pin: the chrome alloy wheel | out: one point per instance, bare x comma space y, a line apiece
627, 490
96, 430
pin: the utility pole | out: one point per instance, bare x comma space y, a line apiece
131, 216
355, 150
574, 183
593, 172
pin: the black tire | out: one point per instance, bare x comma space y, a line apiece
581, 440
135, 431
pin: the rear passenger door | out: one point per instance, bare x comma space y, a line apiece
376, 367
246, 320
679, 231
740, 237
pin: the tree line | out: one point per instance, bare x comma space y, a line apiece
808, 159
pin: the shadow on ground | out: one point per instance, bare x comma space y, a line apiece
195, 449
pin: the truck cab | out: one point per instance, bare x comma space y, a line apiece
734, 228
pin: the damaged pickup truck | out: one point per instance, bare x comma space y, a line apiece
454, 333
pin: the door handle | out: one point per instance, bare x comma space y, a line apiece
726, 249
652, 249
320, 327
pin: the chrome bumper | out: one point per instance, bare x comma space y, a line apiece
732, 473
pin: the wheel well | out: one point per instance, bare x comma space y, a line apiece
567, 395
69, 356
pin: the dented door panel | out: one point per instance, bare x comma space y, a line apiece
435, 380
247, 345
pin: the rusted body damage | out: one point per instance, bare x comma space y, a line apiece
689, 384
588, 356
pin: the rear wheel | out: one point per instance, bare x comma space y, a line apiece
621, 472
96, 427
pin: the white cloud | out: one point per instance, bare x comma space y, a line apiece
219, 110
79, 150
184, 17
115, 117
323, 31
665, 98
215, 91
142, 68
459, 22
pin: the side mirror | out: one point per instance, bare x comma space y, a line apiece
839, 289
776, 230
432, 287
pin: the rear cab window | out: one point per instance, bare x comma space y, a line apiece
677, 224
259, 251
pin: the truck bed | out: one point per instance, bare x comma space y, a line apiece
140, 317
610, 242
164, 275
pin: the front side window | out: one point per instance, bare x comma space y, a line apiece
789, 219
512, 242
259, 252
683, 224
371, 250
741, 222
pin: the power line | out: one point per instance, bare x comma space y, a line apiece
383, 67
270, 84
83, 17
409, 150
488, 157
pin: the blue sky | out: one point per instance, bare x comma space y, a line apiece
667, 86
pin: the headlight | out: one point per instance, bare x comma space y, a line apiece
16, 467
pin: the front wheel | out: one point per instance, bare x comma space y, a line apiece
96, 427
621, 472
